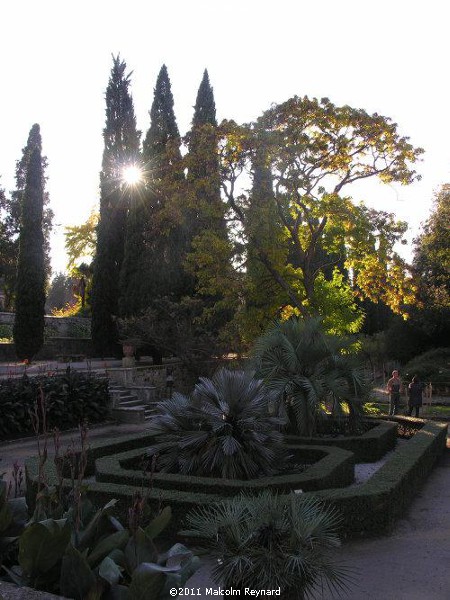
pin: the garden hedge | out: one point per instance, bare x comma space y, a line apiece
367, 509
372, 508
368, 447
331, 467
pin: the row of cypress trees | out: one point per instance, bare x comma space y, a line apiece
146, 232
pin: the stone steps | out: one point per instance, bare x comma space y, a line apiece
133, 404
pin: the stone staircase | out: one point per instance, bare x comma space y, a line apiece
132, 404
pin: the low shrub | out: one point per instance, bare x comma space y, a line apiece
79, 328
368, 509
328, 467
373, 507
6, 333
223, 429
272, 542
71, 398
379, 438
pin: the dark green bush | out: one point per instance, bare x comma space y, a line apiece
379, 438
70, 398
368, 509
329, 467
6, 332
373, 507
433, 366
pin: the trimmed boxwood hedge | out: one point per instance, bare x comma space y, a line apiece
332, 467
367, 509
372, 508
368, 447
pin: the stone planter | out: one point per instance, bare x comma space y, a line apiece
128, 359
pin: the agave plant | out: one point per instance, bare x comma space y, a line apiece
271, 542
223, 430
310, 368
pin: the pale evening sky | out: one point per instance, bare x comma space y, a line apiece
383, 56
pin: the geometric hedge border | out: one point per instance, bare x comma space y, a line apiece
333, 467
368, 509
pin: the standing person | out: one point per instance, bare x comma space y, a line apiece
415, 391
394, 387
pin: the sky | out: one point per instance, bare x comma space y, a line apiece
384, 56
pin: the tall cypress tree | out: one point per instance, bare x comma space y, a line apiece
121, 148
161, 272
203, 165
209, 250
30, 299
11, 209
262, 219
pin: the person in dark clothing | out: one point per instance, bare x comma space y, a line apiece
415, 391
394, 386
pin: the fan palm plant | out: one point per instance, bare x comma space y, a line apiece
271, 542
310, 368
223, 430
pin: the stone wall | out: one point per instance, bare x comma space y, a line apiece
52, 349
59, 326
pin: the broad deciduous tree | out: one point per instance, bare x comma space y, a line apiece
314, 150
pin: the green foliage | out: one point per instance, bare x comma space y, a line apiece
302, 154
30, 300
79, 329
432, 269
60, 292
181, 329
13, 516
6, 332
10, 224
373, 440
71, 399
89, 560
372, 508
81, 240
432, 256
223, 430
307, 468
309, 369
156, 239
433, 365
209, 253
121, 148
271, 542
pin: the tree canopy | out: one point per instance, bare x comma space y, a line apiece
328, 248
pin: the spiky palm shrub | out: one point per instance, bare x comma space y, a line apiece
270, 542
309, 368
223, 430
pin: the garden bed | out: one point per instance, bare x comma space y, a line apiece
331, 466
368, 447
368, 509
373, 507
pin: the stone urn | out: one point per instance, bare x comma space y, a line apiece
128, 349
